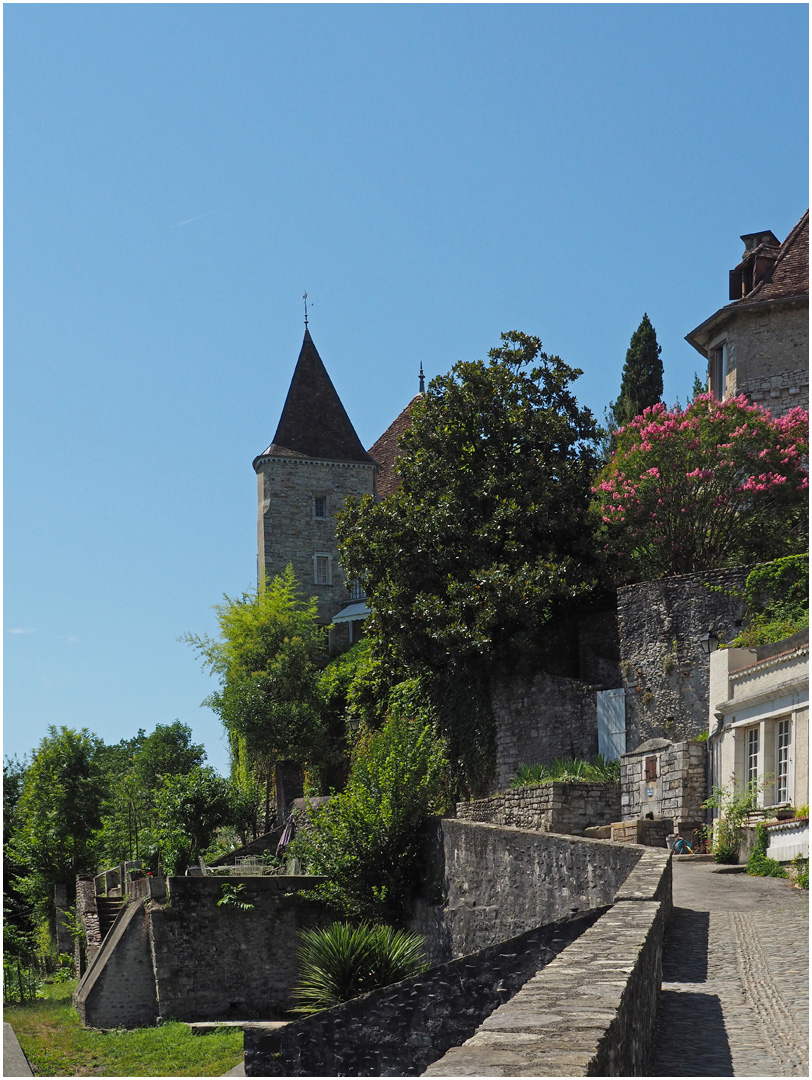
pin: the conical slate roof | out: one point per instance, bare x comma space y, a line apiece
314, 423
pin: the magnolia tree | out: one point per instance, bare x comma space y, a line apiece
715, 484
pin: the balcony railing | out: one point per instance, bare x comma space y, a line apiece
356, 590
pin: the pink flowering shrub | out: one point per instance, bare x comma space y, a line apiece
715, 484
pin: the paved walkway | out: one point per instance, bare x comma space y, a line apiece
735, 996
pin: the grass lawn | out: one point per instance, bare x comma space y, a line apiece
56, 1044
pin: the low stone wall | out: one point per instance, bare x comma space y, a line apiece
501, 881
565, 808
399, 1030
651, 833
590, 1012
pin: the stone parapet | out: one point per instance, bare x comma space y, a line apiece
588, 1013
399, 1030
565, 808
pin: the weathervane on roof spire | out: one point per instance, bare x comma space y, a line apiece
304, 297
422, 389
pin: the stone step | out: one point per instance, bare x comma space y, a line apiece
202, 1027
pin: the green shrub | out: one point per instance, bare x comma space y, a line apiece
342, 961
800, 867
368, 840
734, 804
759, 864
776, 595
598, 770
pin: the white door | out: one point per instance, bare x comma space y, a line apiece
612, 723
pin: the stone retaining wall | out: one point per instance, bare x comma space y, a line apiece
220, 963
665, 672
118, 988
501, 881
565, 808
399, 1030
541, 718
590, 1012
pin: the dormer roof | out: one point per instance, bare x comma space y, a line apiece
314, 423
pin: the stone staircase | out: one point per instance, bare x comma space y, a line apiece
108, 907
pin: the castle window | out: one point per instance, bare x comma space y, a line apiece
322, 570
320, 506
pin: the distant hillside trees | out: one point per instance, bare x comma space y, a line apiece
711, 485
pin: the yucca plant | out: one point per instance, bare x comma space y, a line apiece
341, 961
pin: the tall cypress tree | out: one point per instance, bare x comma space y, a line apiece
642, 382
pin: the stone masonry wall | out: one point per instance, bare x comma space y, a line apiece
87, 916
590, 1012
665, 672
566, 808
678, 791
216, 963
401, 1029
288, 532
501, 881
768, 356
542, 718
118, 988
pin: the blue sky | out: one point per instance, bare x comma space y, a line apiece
176, 176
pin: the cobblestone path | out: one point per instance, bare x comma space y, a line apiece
735, 996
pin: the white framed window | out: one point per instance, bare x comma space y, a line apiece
320, 506
322, 568
751, 763
782, 743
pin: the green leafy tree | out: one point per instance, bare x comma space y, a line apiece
698, 388
57, 816
485, 542
715, 484
641, 384
486, 538
191, 807
367, 841
135, 770
267, 659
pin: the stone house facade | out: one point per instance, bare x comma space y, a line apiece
759, 720
758, 344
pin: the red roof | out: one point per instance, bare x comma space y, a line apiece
789, 275
385, 451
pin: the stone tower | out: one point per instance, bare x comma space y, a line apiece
314, 462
